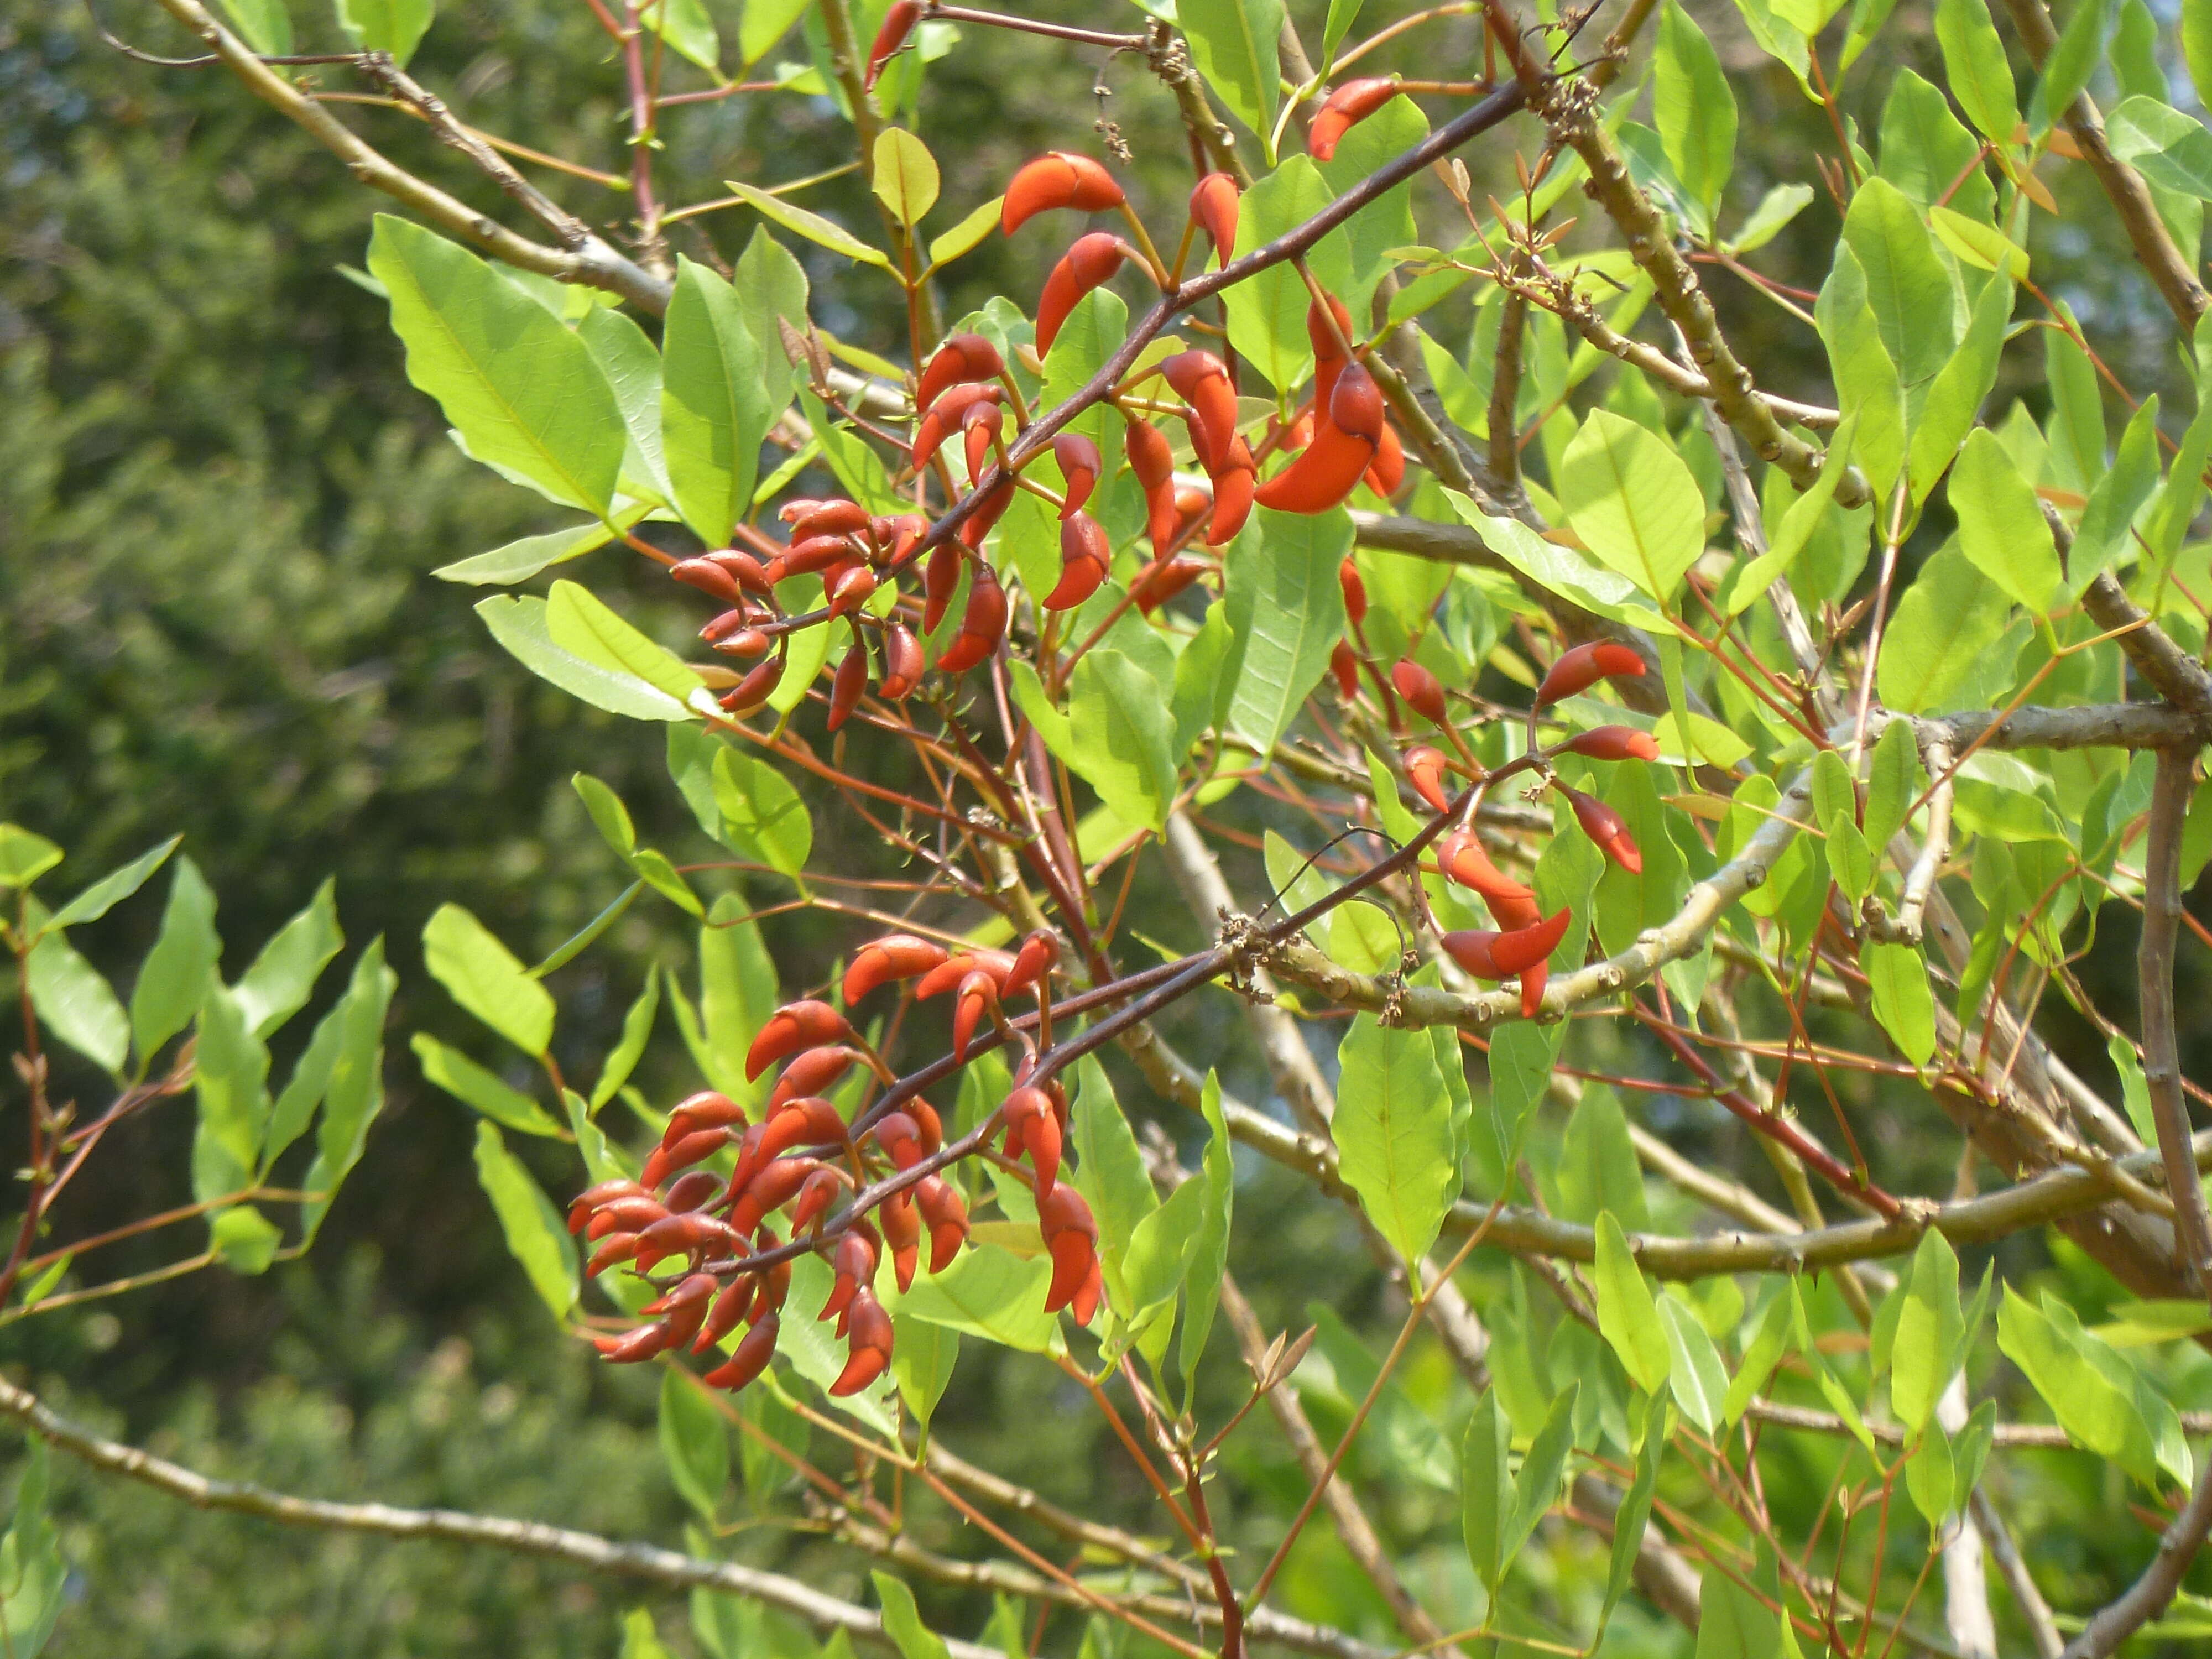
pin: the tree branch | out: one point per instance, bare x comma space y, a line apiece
2172, 786
645, 1562
591, 262
2169, 268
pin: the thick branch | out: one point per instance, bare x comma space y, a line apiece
590, 262
2130, 197
2067, 1191
1570, 110
645, 1562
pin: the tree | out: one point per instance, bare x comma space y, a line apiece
1646, 768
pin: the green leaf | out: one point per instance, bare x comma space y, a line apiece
1906, 287
483, 975
1393, 1133
1627, 1317
1693, 109
971, 234
1629, 1519
1981, 80
1866, 18
522, 391
1234, 44
308, 1085
1781, 27
1928, 152
2167, 147
1954, 397
763, 818
1781, 205
1536, 1487
640, 1639
923, 1356
636, 1031
1342, 15
1562, 570
1929, 1479
2101, 540
715, 410
1695, 1375
1109, 1173
687, 28
354, 1090
812, 226
1733, 1622
1217, 1178
1867, 388
537, 1233
111, 888
1121, 737
772, 289
1597, 1168
737, 993
264, 25
33, 1576
1897, 980
905, 177
1945, 625
1373, 233
283, 976
471, 1084
766, 22
580, 624
24, 857
1284, 608
2066, 71
902, 1622
76, 1004
518, 561
1930, 1333
230, 1077
2135, 1089
1267, 311
986, 1292
1635, 505
694, 1443
1851, 861
1486, 1489
1834, 795
1893, 780
1768, 1344
521, 625
245, 1239
2089, 1388
1750, 581
612, 820
2001, 527
2077, 409
394, 25
1203, 681
1162, 1248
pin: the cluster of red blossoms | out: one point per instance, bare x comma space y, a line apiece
1337, 438
802, 1158
1523, 944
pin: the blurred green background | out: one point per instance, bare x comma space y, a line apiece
220, 502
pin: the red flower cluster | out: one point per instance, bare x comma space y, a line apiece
801, 1158
1522, 946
